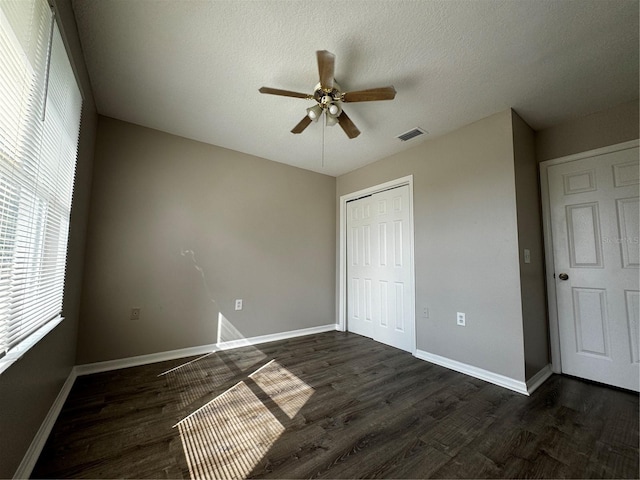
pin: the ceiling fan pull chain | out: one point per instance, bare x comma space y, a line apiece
324, 126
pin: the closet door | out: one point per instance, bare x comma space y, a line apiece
379, 281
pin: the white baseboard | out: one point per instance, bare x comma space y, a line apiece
274, 337
109, 365
37, 444
486, 375
539, 378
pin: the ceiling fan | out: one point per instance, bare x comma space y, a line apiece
329, 98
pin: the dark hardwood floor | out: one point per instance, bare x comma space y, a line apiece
334, 405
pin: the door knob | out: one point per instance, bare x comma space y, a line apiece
563, 276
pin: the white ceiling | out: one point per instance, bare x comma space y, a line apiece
193, 68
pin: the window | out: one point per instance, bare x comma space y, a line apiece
40, 107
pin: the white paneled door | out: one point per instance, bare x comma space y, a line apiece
379, 274
595, 229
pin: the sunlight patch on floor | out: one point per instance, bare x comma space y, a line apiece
285, 389
198, 379
227, 437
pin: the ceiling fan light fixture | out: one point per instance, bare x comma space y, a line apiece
314, 112
334, 109
332, 120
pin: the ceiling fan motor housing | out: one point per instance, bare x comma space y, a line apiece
330, 101
327, 97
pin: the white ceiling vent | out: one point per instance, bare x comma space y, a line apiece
413, 133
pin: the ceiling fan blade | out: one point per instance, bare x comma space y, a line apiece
285, 93
326, 66
370, 95
348, 126
304, 123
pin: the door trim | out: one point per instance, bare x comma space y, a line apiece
554, 333
342, 254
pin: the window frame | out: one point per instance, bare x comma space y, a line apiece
59, 209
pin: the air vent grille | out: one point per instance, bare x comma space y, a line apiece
413, 133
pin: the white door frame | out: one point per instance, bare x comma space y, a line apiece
554, 335
342, 279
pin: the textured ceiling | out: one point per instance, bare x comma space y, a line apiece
193, 68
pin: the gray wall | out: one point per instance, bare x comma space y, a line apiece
532, 281
616, 125
29, 387
181, 229
466, 242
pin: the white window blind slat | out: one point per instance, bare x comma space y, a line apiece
37, 168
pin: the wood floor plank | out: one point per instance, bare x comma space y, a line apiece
334, 405
371, 451
418, 460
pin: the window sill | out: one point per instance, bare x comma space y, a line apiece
17, 352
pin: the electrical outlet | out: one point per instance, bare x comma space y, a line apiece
239, 304
135, 314
425, 312
461, 319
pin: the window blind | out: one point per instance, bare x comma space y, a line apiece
40, 107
